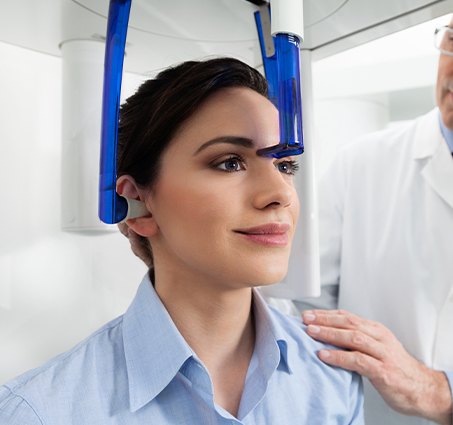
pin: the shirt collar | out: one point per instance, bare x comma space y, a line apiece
446, 132
153, 346
269, 332
155, 350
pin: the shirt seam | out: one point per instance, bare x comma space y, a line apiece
25, 401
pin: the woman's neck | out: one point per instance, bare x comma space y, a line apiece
219, 327
213, 322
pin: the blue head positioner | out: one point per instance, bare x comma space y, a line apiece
112, 207
281, 64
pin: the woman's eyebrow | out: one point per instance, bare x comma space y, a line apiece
232, 140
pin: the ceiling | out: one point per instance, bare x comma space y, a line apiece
165, 32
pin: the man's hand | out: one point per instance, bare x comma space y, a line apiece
406, 384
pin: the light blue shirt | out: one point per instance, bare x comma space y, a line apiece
138, 369
447, 133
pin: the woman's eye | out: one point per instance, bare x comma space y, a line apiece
230, 165
287, 167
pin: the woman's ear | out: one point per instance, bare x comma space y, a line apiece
128, 188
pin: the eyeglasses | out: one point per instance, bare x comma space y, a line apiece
443, 40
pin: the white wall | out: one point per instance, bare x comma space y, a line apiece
55, 287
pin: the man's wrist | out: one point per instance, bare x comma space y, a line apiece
436, 403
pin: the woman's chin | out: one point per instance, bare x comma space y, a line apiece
269, 275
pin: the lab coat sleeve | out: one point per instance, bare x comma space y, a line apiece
14, 410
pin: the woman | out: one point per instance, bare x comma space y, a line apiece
198, 344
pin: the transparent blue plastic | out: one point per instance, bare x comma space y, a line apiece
112, 207
282, 72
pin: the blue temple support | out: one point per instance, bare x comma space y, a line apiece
112, 207
282, 71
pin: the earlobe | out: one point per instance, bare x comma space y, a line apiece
144, 226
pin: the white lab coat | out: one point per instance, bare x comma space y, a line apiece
386, 227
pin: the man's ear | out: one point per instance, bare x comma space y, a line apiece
128, 188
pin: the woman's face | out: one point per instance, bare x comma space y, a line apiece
221, 211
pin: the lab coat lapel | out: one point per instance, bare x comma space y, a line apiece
438, 172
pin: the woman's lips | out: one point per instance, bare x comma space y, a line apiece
272, 234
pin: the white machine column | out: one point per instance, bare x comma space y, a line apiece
303, 277
83, 70
305, 253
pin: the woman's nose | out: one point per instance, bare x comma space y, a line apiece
272, 189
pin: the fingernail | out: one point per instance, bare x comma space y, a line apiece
313, 329
309, 317
324, 354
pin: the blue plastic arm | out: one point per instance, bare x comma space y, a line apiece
282, 72
112, 207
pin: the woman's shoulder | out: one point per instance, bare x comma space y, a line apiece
304, 349
65, 377
312, 380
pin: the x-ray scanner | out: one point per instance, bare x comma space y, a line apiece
162, 33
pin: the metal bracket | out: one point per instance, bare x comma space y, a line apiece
265, 17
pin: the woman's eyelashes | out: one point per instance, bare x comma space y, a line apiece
234, 163
287, 166
230, 165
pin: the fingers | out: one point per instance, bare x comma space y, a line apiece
350, 339
344, 320
354, 361
406, 385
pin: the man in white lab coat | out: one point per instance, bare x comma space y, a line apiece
386, 223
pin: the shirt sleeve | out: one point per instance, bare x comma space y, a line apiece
14, 410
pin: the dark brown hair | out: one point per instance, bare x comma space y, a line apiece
150, 117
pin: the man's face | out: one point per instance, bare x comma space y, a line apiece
444, 88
